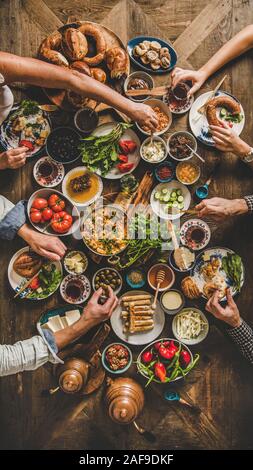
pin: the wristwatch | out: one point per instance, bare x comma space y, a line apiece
248, 158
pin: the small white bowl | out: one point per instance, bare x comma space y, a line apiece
158, 139
153, 103
91, 200
116, 291
194, 145
201, 336
143, 75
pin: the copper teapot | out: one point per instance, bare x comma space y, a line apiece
124, 399
73, 375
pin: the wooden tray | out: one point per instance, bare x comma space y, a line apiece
58, 97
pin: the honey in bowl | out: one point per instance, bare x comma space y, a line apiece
82, 186
169, 278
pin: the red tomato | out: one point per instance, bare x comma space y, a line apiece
47, 213
27, 144
35, 215
56, 203
124, 167
35, 283
39, 203
61, 222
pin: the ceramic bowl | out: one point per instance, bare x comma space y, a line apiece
153, 103
156, 138
105, 364
143, 75
175, 310
186, 134
201, 336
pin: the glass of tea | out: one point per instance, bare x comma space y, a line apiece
180, 92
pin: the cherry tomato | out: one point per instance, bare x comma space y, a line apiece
56, 203
35, 283
61, 222
47, 213
39, 203
27, 144
35, 216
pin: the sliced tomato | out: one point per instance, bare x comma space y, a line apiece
35, 283
26, 143
125, 167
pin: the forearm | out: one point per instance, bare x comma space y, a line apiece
23, 355
39, 73
239, 44
12, 218
73, 332
243, 338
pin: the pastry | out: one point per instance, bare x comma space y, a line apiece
145, 60
146, 44
190, 288
152, 55
221, 101
155, 45
91, 30
140, 50
137, 313
156, 64
74, 44
27, 264
165, 62
49, 50
81, 67
98, 74
164, 52
117, 62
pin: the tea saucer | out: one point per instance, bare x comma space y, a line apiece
52, 179
196, 224
81, 282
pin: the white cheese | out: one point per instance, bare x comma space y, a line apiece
72, 316
54, 324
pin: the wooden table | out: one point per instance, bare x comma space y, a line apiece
222, 383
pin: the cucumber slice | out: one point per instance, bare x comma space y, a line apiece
166, 198
180, 199
165, 191
173, 195
181, 205
157, 195
179, 192
175, 204
223, 112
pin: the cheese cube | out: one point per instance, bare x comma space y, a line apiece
72, 316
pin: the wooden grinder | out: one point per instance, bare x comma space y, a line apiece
73, 375
124, 399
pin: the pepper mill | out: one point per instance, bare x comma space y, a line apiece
73, 375
124, 399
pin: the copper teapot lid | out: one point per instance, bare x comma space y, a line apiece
71, 381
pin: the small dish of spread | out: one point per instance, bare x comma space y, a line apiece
138, 81
169, 278
172, 301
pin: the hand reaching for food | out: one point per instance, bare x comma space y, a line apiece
14, 158
45, 245
145, 116
96, 312
219, 208
229, 314
226, 140
197, 77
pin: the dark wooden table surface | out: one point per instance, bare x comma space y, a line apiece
222, 384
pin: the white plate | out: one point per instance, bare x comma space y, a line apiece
199, 124
203, 334
158, 208
10, 139
89, 201
15, 280
134, 157
52, 180
217, 252
198, 223
144, 337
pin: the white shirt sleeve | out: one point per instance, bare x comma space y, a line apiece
24, 355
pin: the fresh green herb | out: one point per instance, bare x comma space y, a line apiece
233, 267
49, 278
236, 118
101, 153
29, 107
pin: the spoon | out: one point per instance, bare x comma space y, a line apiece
148, 435
195, 153
171, 395
160, 276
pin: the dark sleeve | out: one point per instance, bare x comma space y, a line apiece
249, 202
243, 337
13, 220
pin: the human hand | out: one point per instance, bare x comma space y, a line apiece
48, 246
219, 208
14, 158
96, 312
230, 314
145, 116
197, 77
227, 140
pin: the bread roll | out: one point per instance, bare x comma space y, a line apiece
74, 44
